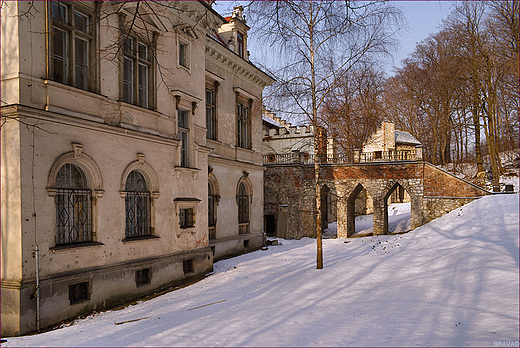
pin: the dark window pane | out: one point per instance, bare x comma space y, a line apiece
182, 55
128, 81
59, 12
128, 46
81, 63
136, 182
143, 85
59, 55
143, 51
70, 177
81, 22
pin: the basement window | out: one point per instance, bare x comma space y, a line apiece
187, 266
143, 276
78, 292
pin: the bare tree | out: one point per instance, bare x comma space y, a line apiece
355, 109
318, 42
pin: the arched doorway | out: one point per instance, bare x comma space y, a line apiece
397, 210
359, 212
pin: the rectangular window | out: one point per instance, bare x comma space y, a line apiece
240, 44
211, 114
137, 78
186, 218
78, 292
143, 276
183, 55
71, 42
243, 126
187, 266
184, 131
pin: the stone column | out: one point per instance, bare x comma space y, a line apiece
418, 152
357, 155
295, 156
379, 215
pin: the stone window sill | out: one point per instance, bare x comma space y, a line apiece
74, 246
134, 239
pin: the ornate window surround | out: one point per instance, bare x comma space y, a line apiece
92, 175
144, 168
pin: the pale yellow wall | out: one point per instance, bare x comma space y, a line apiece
11, 222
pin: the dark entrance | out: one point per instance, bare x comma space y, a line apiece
270, 225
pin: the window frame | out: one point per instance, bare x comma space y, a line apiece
143, 276
211, 120
244, 202
134, 198
240, 44
137, 60
71, 201
184, 54
186, 217
72, 35
82, 289
183, 131
243, 107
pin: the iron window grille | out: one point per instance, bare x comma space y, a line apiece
73, 222
212, 212
243, 210
188, 266
143, 277
137, 206
73, 206
78, 292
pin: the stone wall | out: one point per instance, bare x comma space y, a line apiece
289, 194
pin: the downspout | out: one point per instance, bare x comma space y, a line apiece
37, 256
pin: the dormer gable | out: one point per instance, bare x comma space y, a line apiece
234, 32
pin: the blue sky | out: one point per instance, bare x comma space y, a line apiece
423, 17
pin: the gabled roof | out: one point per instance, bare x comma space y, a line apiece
403, 137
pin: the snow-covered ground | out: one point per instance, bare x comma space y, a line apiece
452, 282
399, 220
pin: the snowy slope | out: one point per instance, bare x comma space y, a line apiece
453, 282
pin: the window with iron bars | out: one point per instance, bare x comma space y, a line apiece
212, 212
143, 276
73, 206
137, 206
78, 292
243, 210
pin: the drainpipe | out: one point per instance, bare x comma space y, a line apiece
37, 256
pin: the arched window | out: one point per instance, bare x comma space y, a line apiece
73, 206
137, 206
212, 211
243, 209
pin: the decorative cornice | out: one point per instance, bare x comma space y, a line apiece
249, 71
